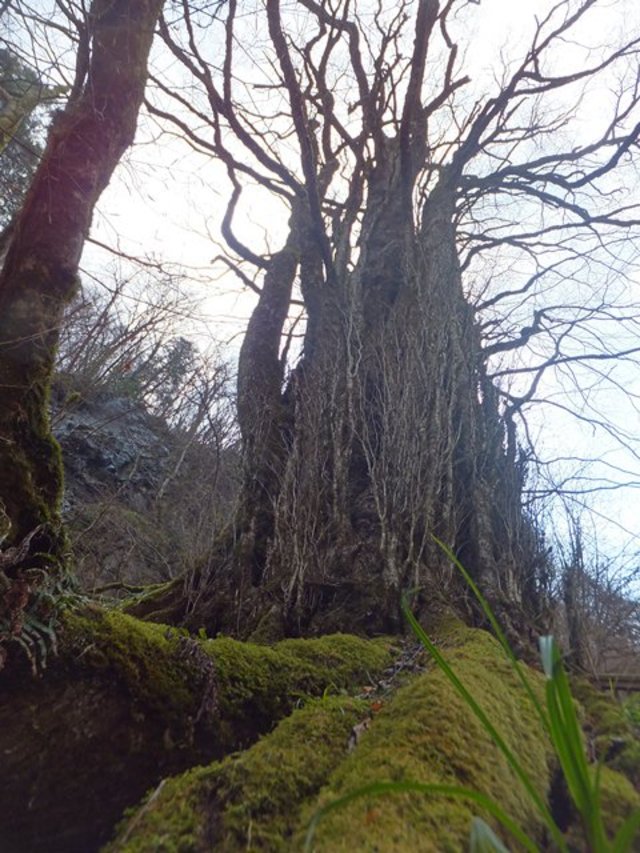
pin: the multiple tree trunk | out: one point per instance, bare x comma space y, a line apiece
386, 433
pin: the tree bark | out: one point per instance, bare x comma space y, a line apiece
39, 276
386, 433
388, 430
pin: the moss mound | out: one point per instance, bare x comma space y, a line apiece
612, 734
261, 684
250, 801
131, 706
240, 688
427, 734
619, 799
127, 703
265, 798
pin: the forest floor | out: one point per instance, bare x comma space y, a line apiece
138, 737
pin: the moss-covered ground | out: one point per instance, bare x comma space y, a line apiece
239, 744
428, 734
252, 800
127, 703
612, 730
240, 688
264, 798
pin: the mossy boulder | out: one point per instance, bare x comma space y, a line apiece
127, 703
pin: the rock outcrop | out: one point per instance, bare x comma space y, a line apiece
142, 500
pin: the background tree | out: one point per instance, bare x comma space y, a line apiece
597, 613
20, 143
410, 196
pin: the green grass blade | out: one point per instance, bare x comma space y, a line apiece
623, 841
570, 754
567, 739
376, 789
563, 750
487, 724
488, 612
572, 731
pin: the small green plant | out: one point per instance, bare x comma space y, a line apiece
559, 721
631, 709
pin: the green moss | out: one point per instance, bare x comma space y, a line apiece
603, 715
251, 686
126, 703
150, 659
619, 799
249, 801
627, 761
631, 709
263, 798
252, 801
610, 729
428, 734
261, 683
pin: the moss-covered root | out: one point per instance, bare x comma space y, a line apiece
264, 798
245, 688
427, 734
249, 801
127, 703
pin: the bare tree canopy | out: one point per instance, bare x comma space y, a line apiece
450, 258
440, 251
458, 251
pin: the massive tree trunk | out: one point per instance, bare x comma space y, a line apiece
386, 433
395, 437
39, 276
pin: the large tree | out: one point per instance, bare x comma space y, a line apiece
39, 277
407, 188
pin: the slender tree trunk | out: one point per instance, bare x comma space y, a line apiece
262, 413
39, 276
